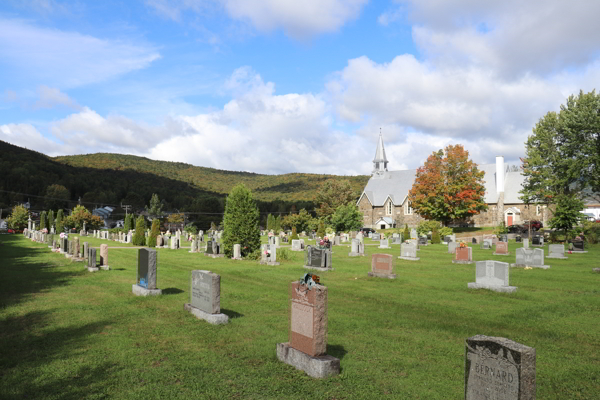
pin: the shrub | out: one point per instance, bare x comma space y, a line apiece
139, 238
294, 233
43, 223
19, 218
445, 231
321, 230
425, 227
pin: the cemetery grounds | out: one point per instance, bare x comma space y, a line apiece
66, 333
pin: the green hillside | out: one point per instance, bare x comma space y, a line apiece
287, 187
114, 179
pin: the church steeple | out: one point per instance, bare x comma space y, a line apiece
380, 161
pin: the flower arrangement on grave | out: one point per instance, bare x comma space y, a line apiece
323, 243
310, 280
45, 230
462, 244
271, 234
63, 235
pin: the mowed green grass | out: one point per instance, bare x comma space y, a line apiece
66, 333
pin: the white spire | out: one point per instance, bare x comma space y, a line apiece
380, 161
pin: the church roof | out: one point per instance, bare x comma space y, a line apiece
397, 184
380, 152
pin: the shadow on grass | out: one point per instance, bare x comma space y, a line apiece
28, 270
231, 314
29, 349
336, 350
172, 290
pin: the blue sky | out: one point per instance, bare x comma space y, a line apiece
279, 86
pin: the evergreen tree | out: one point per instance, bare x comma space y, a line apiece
270, 222
321, 230
155, 208
139, 238
435, 236
406, 232
154, 232
43, 223
50, 219
567, 213
60, 226
127, 224
277, 221
294, 233
241, 222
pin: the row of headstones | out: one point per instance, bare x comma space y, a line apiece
490, 362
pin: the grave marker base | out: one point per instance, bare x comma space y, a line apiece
214, 255
380, 275
105, 267
501, 254
215, 319
501, 289
316, 367
269, 263
462, 262
532, 266
141, 291
92, 269
354, 254
319, 268
236, 258
557, 257
384, 247
577, 251
409, 258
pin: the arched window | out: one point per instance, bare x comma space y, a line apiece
407, 208
389, 208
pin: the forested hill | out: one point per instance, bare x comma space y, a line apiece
286, 187
114, 179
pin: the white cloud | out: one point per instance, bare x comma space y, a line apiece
26, 135
299, 19
67, 59
52, 97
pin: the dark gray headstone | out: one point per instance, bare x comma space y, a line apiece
92, 258
146, 276
498, 369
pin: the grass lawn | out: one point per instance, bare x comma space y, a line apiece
66, 333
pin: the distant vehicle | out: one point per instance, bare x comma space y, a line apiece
535, 225
366, 231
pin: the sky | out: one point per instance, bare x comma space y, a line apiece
281, 86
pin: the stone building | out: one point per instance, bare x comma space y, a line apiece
384, 201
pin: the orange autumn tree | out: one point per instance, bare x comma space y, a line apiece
449, 186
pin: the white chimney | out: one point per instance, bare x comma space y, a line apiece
499, 174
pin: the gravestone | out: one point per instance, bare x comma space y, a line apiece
104, 257
375, 236
306, 349
213, 249
382, 266
54, 245
537, 241
86, 251
319, 259
76, 248
497, 368
209, 247
501, 249
557, 251
336, 241
269, 254
384, 244
277, 240
146, 274
504, 238
297, 244
92, 260
463, 255
578, 246
194, 247
174, 243
474, 240
397, 239
205, 297
237, 252
423, 241
357, 248
452, 247
413, 233
518, 239
492, 275
408, 251
525, 243
530, 258
486, 244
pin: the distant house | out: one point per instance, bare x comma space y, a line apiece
384, 201
103, 212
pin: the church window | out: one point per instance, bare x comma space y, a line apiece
389, 208
407, 208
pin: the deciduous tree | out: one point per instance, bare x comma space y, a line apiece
80, 215
346, 218
57, 196
18, 218
449, 186
331, 195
